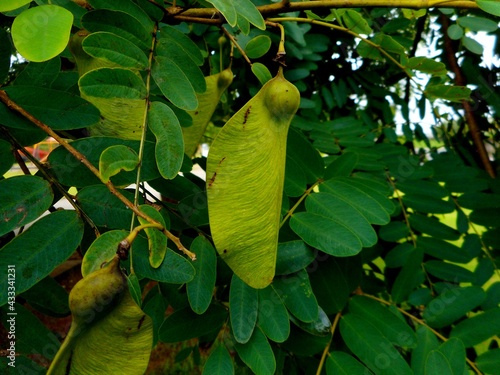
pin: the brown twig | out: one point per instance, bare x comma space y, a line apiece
470, 117
79, 156
212, 15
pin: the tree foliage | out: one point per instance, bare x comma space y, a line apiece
387, 223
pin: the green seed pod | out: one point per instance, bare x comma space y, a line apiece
245, 177
97, 294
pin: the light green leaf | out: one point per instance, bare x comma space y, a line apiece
24, 198
477, 23
480, 327
41, 41
247, 10
354, 21
243, 309
112, 83
41, 248
258, 47
472, 45
227, 9
219, 362
174, 84
448, 92
426, 65
169, 149
489, 6
455, 32
157, 240
8, 5
102, 250
115, 159
451, 304
115, 49
257, 354
201, 288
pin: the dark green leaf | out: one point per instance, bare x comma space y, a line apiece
437, 363
427, 204
48, 296
295, 179
174, 84
174, 35
105, 209
433, 227
72, 172
40, 74
126, 6
394, 231
325, 234
24, 198
449, 272
243, 309
454, 352
102, 250
257, 353
477, 23
273, 317
120, 23
201, 288
489, 362
342, 166
443, 250
115, 159
394, 329
423, 187
299, 298
426, 342
451, 304
219, 362
409, 277
115, 49
333, 279
426, 65
58, 109
169, 149
479, 328
157, 240
6, 157
5, 55
175, 269
41, 248
184, 324
369, 345
340, 363
292, 257
398, 256
305, 155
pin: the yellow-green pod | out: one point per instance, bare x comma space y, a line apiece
245, 177
207, 102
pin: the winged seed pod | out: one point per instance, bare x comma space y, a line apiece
245, 177
107, 326
207, 102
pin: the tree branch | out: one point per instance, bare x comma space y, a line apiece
212, 15
470, 117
